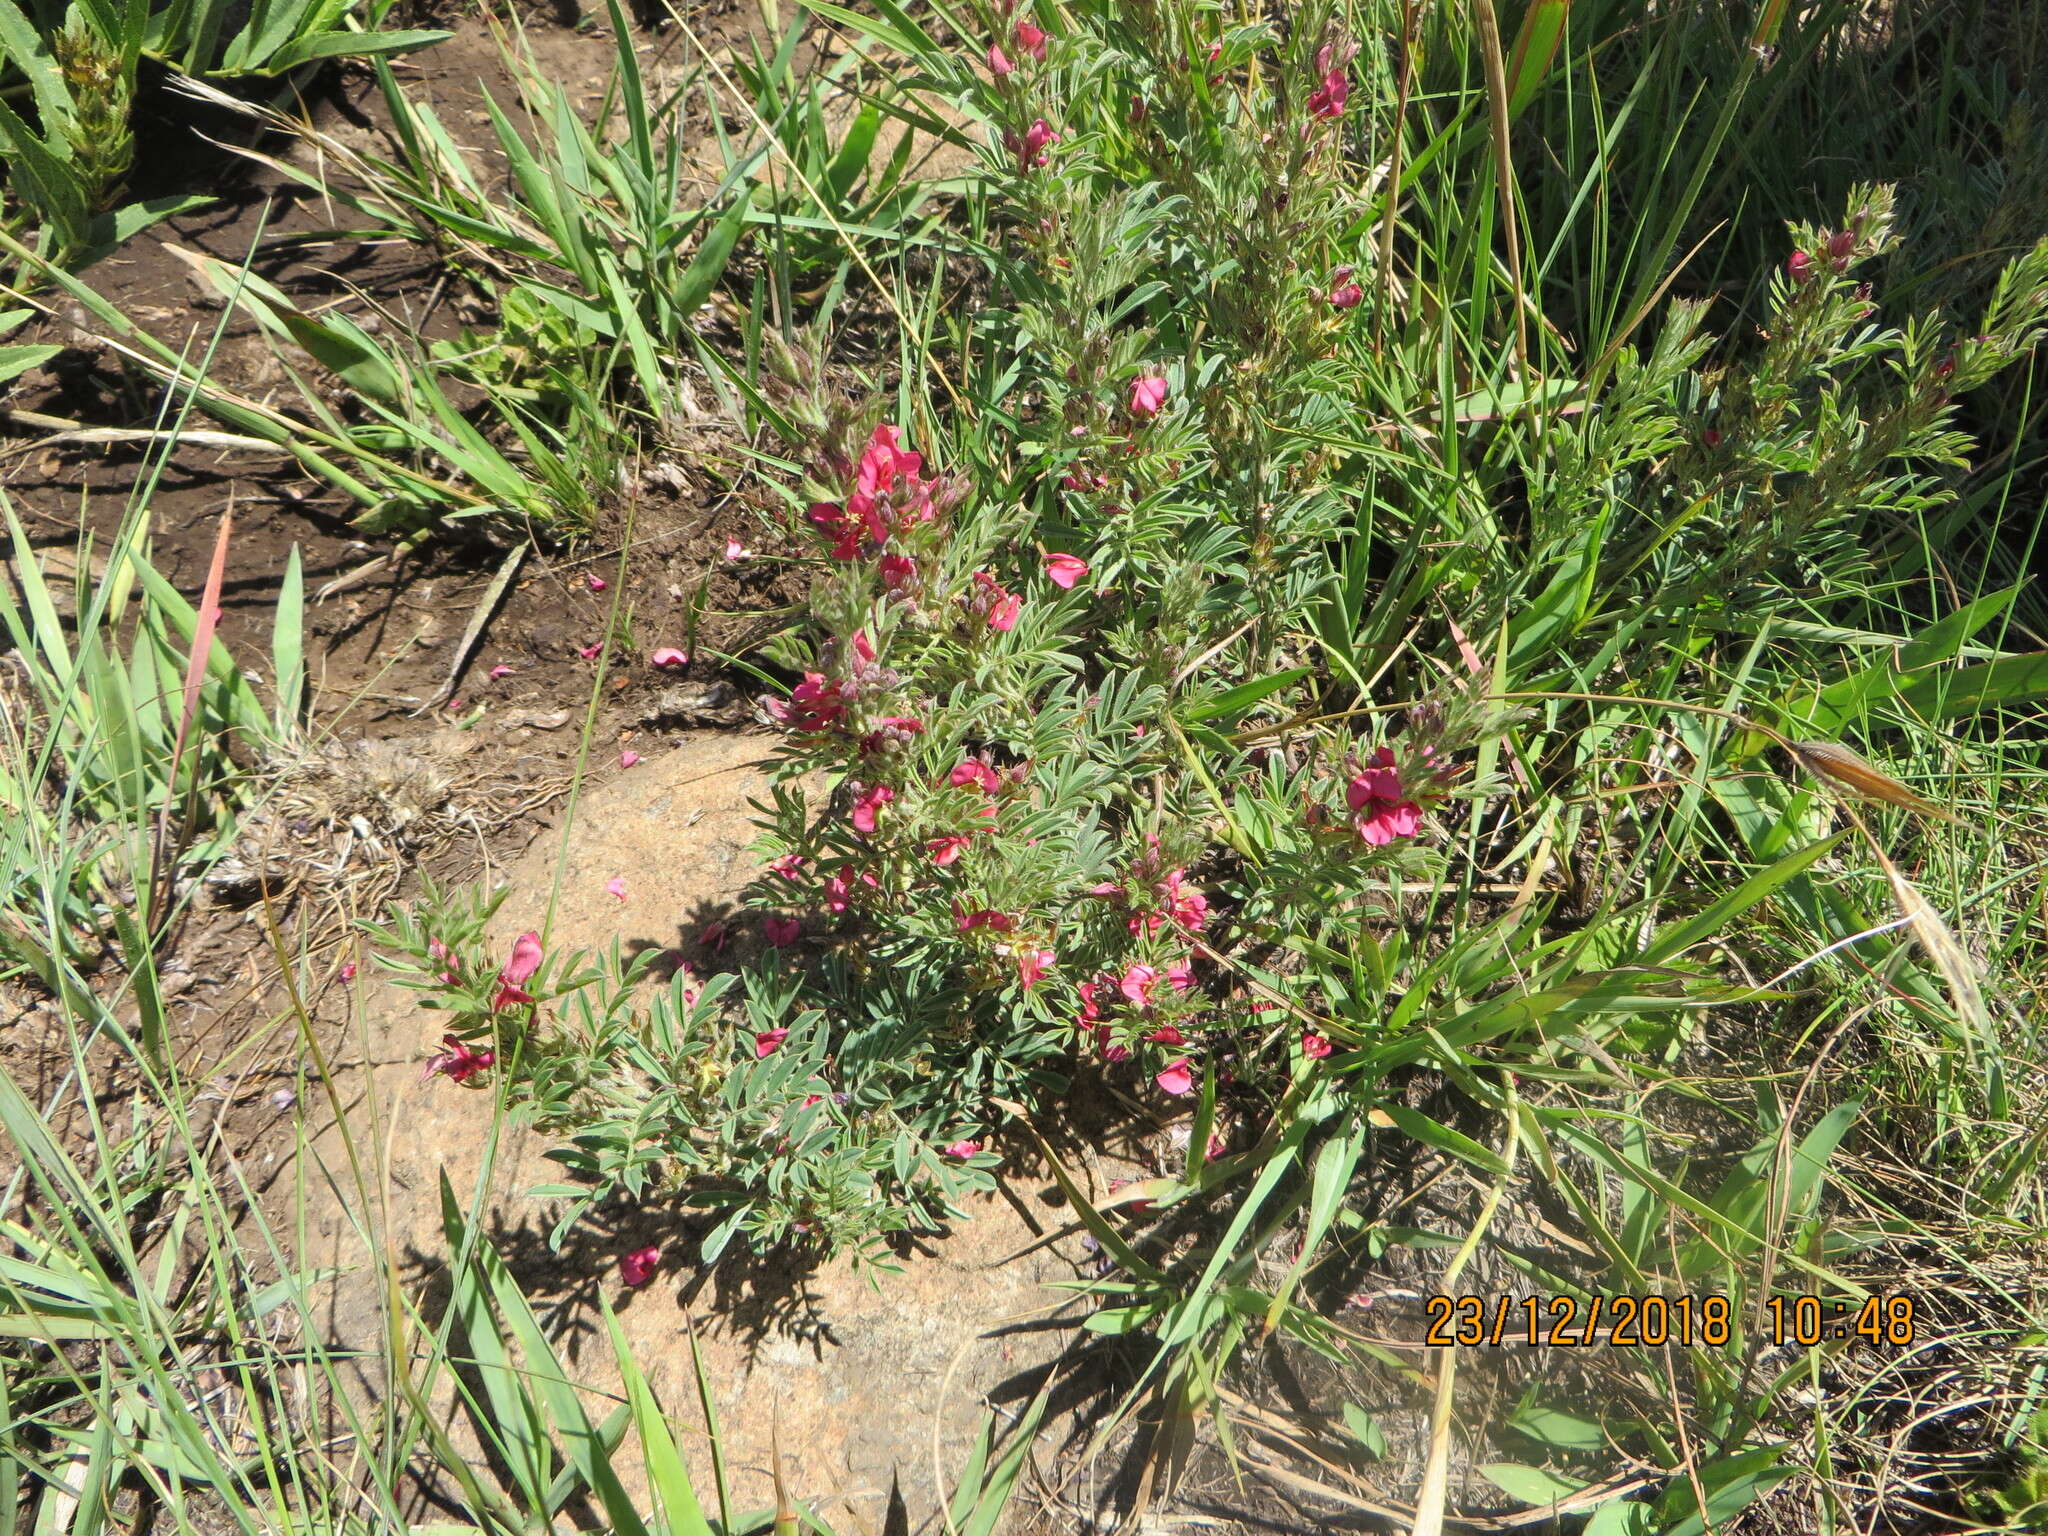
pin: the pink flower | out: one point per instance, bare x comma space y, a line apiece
788, 865
1385, 812
454, 705
1111, 1050
964, 1150
589, 652
1031, 40
1213, 52
813, 705
1327, 100
1180, 976
1032, 964
1137, 985
1799, 267
526, 958
982, 917
768, 1042
1148, 395
458, 1063
735, 551
669, 656
897, 571
867, 803
1184, 903
1031, 151
348, 971
1089, 1012
945, 850
501, 670
1344, 291
1314, 1045
999, 63
637, 1268
1176, 1079
714, 936
974, 771
1064, 570
628, 759
781, 931
617, 886
1166, 1034
595, 583
839, 890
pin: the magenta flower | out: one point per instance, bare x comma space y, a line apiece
995, 602
1327, 100
999, 63
945, 850
982, 917
1314, 1045
781, 931
1377, 795
1166, 1034
1148, 395
714, 936
1344, 290
458, 1063
1031, 965
1031, 40
1089, 1011
1799, 267
974, 771
616, 886
897, 571
768, 1042
638, 1267
1180, 975
963, 1150
1064, 570
1176, 1079
628, 759
1031, 150
348, 971
788, 865
669, 656
526, 958
1137, 985
1186, 904
867, 803
813, 705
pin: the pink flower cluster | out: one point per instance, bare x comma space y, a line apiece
1029, 40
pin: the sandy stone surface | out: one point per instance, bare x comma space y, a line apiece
866, 1378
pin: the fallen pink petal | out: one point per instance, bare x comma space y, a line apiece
616, 886
595, 583
638, 1267
628, 759
501, 670
669, 656
781, 931
1177, 1079
590, 652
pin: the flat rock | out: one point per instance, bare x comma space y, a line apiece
868, 1379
